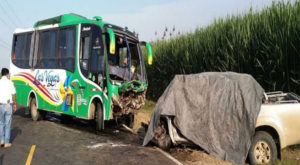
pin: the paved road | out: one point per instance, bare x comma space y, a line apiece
75, 144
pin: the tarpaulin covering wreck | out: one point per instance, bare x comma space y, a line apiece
216, 111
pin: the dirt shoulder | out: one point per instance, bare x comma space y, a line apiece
190, 156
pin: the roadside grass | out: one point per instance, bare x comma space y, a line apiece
148, 108
290, 156
144, 115
263, 43
286, 162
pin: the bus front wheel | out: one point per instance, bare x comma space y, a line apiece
35, 113
99, 117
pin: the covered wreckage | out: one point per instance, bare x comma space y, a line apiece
216, 111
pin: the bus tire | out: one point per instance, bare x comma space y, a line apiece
35, 113
99, 117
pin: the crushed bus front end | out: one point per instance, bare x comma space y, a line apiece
127, 73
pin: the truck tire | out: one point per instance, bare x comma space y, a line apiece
35, 113
162, 136
263, 149
99, 117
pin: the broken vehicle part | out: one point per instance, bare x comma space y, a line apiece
131, 98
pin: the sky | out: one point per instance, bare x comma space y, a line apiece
146, 17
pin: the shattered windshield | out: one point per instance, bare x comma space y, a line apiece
125, 64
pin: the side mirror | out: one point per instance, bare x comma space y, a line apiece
149, 50
112, 41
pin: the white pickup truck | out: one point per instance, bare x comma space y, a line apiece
277, 126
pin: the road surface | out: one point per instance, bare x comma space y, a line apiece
75, 143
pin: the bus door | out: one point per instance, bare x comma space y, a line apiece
91, 59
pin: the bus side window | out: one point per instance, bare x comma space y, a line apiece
66, 49
91, 56
19, 49
84, 55
47, 50
97, 56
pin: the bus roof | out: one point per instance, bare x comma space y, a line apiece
62, 19
71, 19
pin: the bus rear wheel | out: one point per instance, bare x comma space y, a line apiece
99, 117
35, 113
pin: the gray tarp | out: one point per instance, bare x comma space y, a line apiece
217, 111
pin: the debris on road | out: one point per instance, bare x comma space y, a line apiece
106, 145
128, 129
116, 131
169, 156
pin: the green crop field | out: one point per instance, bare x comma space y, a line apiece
264, 43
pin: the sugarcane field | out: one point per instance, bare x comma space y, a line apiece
183, 82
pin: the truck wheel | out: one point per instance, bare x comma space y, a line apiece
162, 136
99, 117
263, 149
35, 113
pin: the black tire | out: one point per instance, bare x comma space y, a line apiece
35, 113
263, 149
164, 141
99, 117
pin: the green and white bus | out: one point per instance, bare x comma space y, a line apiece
79, 67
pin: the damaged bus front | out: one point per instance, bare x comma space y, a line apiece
126, 74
